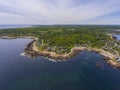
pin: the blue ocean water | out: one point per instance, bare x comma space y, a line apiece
14, 26
117, 36
85, 71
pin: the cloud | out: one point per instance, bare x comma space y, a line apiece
59, 11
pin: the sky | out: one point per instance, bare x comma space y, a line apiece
48, 12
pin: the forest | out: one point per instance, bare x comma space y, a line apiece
61, 38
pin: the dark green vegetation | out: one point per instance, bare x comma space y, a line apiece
61, 39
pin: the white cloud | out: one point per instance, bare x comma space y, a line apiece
57, 11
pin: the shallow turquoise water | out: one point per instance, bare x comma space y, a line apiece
85, 71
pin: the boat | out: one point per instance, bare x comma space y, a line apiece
118, 60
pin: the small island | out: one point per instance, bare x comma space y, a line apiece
63, 42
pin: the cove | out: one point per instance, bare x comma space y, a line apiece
85, 71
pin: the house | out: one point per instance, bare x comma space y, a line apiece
118, 58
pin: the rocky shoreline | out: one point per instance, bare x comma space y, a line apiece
32, 51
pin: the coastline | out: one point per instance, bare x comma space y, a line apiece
32, 51
8, 37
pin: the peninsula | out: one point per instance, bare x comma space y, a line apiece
63, 42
